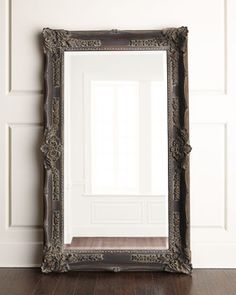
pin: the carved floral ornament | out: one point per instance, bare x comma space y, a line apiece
174, 36
180, 147
60, 39
175, 259
55, 260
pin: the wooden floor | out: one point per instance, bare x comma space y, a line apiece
202, 282
99, 243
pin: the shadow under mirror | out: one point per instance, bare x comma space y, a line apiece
115, 150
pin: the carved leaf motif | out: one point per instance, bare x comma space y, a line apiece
177, 36
56, 228
54, 260
80, 257
55, 40
52, 146
55, 184
145, 43
51, 149
176, 186
175, 259
172, 262
180, 147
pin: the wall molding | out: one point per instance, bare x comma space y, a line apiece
10, 223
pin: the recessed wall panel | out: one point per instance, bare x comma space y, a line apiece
25, 175
208, 194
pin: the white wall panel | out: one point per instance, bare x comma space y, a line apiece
208, 175
116, 212
157, 212
25, 175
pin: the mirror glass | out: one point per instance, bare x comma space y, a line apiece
115, 150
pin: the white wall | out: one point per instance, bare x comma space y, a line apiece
212, 72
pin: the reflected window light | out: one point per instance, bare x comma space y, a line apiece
129, 143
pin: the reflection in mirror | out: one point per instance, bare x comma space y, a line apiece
115, 150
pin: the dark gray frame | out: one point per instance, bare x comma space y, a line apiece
175, 259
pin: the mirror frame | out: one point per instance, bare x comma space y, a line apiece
177, 257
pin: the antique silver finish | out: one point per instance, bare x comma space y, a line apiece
177, 257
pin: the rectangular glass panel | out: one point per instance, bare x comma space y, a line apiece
116, 150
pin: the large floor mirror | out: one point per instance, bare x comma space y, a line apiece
116, 151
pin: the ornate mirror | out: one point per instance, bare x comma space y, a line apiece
116, 151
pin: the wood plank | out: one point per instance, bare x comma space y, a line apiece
19, 281
110, 283
144, 284
202, 282
85, 283
68, 282
46, 285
